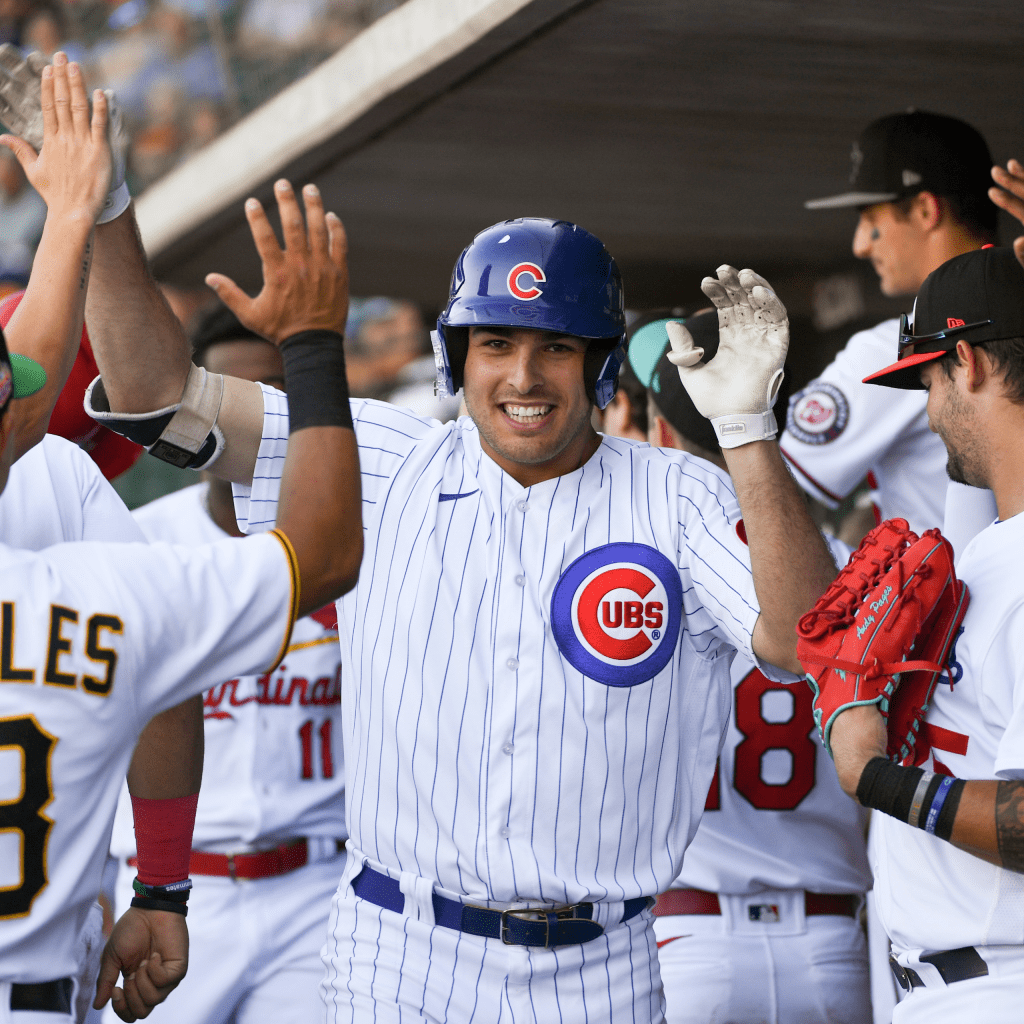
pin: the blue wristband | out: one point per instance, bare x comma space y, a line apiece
937, 801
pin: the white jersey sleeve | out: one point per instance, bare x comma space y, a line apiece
839, 429
386, 435
274, 763
56, 493
97, 638
931, 895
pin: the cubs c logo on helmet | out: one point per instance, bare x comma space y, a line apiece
616, 613
525, 271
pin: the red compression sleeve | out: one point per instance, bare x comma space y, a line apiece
163, 835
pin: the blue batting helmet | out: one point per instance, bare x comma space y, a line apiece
542, 275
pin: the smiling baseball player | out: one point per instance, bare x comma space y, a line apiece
540, 640
271, 815
761, 923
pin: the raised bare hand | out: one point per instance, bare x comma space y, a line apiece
1010, 196
305, 284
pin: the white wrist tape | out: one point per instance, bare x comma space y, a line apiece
184, 434
742, 428
116, 203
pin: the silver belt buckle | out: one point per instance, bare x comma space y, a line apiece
536, 914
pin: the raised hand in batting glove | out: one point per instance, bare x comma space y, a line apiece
72, 169
21, 110
737, 389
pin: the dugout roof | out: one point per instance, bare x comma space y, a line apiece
684, 133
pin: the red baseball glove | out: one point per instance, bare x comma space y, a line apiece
882, 632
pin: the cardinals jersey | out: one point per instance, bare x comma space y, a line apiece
273, 770
540, 677
931, 895
776, 816
838, 430
94, 640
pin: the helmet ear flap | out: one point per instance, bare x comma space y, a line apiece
601, 364
457, 343
450, 343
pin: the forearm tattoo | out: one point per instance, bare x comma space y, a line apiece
1010, 824
84, 279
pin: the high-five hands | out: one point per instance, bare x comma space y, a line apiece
72, 167
305, 284
737, 389
25, 94
1010, 196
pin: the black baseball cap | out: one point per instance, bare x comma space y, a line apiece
19, 375
648, 355
978, 296
902, 154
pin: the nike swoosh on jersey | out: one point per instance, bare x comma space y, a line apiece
455, 497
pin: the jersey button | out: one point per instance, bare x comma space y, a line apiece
505, 833
508, 748
520, 581
522, 506
513, 663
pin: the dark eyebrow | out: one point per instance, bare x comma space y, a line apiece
507, 332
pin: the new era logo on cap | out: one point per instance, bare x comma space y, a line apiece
953, 322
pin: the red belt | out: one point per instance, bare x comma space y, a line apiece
264, 864
697, 901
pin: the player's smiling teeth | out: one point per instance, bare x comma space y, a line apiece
527, 413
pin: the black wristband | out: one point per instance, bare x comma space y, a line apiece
888, 788
922, 799
314, 375
147, 903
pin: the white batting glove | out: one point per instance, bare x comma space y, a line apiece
22, 112
737, 389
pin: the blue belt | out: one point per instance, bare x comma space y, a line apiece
564, 926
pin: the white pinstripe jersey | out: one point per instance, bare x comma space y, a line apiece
274, 768
504, 734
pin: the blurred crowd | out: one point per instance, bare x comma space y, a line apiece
183, 70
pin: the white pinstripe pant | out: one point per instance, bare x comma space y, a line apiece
387, 967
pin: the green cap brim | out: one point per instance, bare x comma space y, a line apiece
29, 376
645, 349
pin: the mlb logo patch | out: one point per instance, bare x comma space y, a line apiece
765, 913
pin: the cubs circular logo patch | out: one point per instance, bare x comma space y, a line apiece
818, 414
616, 613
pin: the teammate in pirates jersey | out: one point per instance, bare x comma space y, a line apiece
91, 645
762, 922
919, 182
270, 823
